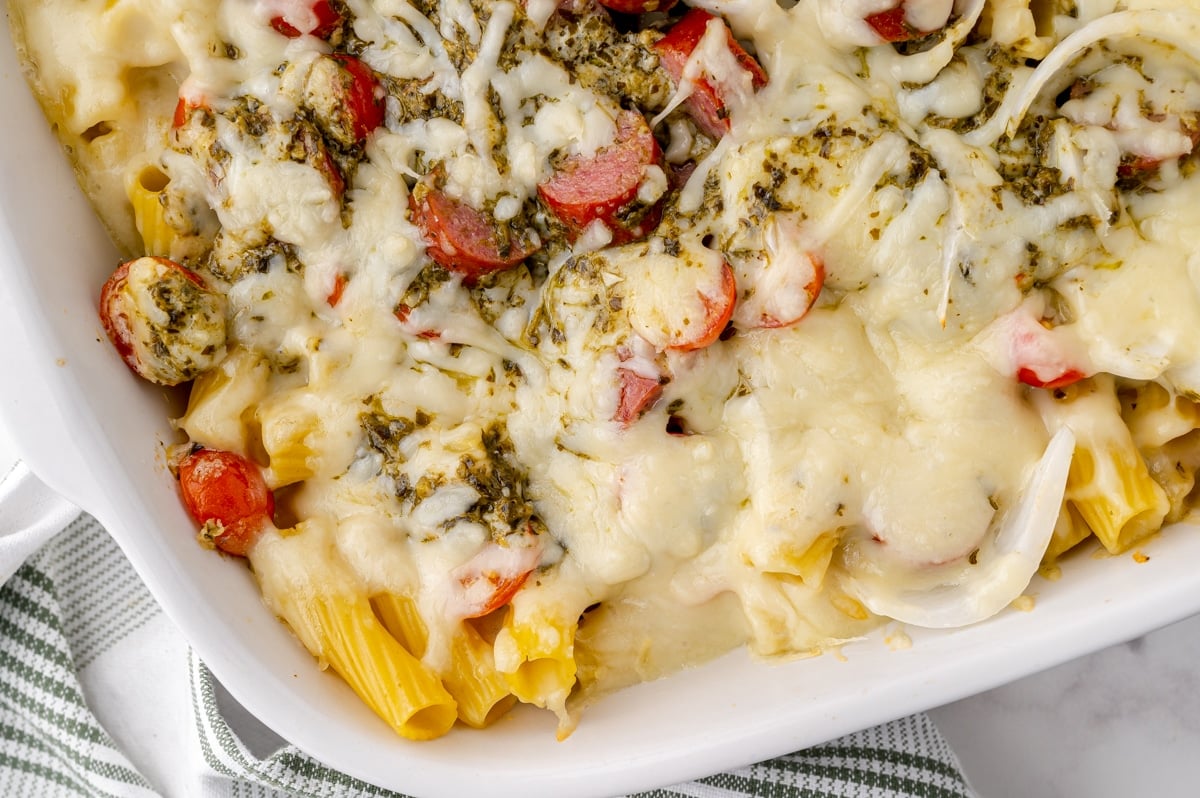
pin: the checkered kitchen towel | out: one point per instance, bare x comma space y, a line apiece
100, 696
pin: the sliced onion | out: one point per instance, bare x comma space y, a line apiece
1178, 28
1003, 568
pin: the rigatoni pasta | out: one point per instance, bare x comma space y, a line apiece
1109, 485
306, 585
480, 690
536, 653
145, 198
534, 349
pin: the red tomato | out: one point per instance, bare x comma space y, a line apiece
784, 291
114, 311
344, 98
638, 6
1144, 165
637, 395
183, 109
339, 286
181, 113
1039, 355
811, 290
402, 313
114, 320
1138, 165
322, 20
328, 167
706, 104
491, 578
363, 97
718, 310
1030, 377
605, 186
227, 495
463, 239
890, 25
318, 156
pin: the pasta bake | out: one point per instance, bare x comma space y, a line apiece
534, 349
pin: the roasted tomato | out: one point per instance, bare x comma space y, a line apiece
718, 310
677, 300
183, 110
339, 287
345, 98
708, 103
164, 322
227, 495
317, 18
890, 25
1036, 353
781, 286
1133, 165
895, 24
491, 578
1062, 379
310, 148
607, 186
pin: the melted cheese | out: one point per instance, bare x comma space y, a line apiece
884, 433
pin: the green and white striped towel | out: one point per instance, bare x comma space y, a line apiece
100, 696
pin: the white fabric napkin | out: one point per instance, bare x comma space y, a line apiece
29, 514
101, 697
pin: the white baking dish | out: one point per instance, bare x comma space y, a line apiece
94, 432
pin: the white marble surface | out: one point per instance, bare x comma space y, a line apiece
1120, 723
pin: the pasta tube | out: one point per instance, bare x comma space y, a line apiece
1166, 429
1110, 486
470, 676
1017, 23
1069, 531
307, 586
145, 190
1156, 415
536, 654
788, 617
401, 618
1109, 483
1173, 466
220, 406
286, 426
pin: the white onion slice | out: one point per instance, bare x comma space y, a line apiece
1003, 568
1178, 28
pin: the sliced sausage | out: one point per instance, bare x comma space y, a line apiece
608, 186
